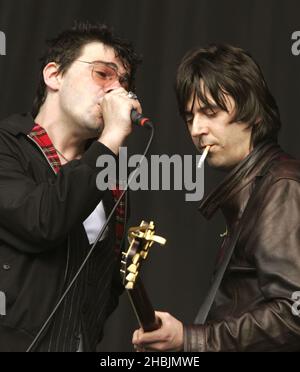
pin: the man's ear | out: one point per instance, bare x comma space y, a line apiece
52, 76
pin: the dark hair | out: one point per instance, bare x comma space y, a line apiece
227, 70
67, 46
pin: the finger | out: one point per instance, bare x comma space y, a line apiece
137, 106
117, 91
151, 347
163, 317
161, 314
154, 347
135, 337
149, 337
139, 349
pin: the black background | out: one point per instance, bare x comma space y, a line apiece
162, 31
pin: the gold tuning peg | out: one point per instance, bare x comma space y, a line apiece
131, 277
136, 259
132, 269
129, 285
151, 225
144, 254
145, 231
158, 239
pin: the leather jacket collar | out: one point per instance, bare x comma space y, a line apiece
234, 191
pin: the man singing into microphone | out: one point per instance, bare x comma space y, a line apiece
51, 211
229, 110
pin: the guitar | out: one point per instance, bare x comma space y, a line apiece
140, 238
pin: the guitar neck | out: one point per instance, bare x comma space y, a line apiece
142, 307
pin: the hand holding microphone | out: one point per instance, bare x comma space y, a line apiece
116, 106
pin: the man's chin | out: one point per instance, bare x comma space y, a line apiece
218, 165
91, 131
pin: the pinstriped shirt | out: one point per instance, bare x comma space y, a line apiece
84, 310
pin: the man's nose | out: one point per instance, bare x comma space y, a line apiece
112, 86
199, 127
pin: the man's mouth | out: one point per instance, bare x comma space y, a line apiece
202, 148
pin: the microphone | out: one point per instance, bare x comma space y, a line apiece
139, 119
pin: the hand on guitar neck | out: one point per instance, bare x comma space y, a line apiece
169, 336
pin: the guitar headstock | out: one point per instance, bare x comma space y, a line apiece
140, 238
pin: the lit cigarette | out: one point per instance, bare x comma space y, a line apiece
203, 157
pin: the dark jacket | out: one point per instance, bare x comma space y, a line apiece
253, 307
41, 216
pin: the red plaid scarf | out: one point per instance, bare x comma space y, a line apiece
120, 219
41, 138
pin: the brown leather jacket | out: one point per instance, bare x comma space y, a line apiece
253, 307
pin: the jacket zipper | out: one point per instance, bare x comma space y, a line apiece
37, 145
51, 166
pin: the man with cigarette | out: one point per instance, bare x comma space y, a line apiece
232, 116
